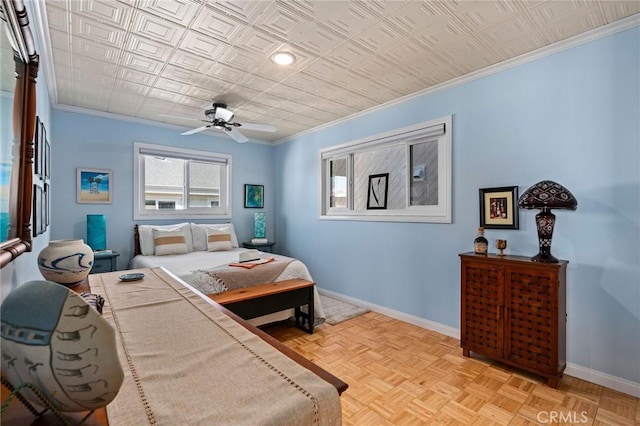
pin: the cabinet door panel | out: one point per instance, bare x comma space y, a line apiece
531, 322
482, 308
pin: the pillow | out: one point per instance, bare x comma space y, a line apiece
199, 232
145, 233
169, 242
218, 240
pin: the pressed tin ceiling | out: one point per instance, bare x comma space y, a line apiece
148, 59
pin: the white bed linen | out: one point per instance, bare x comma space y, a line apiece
188, 266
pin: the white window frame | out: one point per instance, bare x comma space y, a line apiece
223, 211
433, 130
349, 159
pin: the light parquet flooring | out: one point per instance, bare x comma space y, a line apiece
401, 374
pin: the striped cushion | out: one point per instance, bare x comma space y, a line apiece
218, 240
169, 242
147, 246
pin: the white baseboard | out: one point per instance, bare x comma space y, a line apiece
411, 319
603, 379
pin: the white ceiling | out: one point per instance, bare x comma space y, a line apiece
148, 58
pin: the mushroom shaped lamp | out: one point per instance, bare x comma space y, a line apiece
546, 195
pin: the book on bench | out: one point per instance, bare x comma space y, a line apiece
253, 263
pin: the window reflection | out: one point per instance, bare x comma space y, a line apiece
7, 87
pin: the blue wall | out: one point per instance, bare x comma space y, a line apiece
97, 142
572, 117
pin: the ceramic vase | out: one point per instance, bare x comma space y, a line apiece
66, 262
56, 341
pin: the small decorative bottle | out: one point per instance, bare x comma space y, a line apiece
480, 244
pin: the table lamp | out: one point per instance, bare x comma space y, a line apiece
259, 225
546, 195
97, 231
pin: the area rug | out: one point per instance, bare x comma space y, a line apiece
337, 311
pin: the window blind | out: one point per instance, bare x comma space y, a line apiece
363, 145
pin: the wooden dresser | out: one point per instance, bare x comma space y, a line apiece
514, 310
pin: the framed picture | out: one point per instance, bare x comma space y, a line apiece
35, 212
377, 193
47, 205
37, 148
47, 159
39, 221
94, 186
42, 149
253, 196
499, 207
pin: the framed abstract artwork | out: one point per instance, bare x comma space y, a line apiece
377, 193
253, 196
499, 208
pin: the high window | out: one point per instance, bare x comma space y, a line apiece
399, 176
174, 183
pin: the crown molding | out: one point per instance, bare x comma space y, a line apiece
144, 121
569, 43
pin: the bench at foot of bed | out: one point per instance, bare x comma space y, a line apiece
263, 299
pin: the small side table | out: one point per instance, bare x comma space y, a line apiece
268, 247
104, 262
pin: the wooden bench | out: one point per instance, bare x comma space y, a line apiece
263, 299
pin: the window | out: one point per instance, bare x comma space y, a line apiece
174, 183
414, 163
338, 183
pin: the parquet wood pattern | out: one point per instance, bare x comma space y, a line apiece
401, 374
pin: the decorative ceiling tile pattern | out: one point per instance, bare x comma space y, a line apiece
168, 60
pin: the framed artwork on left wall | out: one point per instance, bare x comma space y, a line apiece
94, 186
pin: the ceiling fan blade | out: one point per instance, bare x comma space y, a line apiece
198, 130
256, 126
237, 135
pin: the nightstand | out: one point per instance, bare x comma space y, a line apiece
262, 247
104, 262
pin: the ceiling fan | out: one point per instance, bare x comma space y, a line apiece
220, 118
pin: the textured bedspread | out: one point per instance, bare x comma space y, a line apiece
234, 277
188, 363
194, 268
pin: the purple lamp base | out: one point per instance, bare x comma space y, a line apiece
545, 220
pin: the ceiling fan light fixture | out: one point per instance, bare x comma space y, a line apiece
223, 114
283, 58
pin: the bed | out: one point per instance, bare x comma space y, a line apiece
200, 254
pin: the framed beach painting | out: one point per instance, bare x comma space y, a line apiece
94, 186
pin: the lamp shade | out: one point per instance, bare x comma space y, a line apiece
97, 231
548, 194
259, 225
